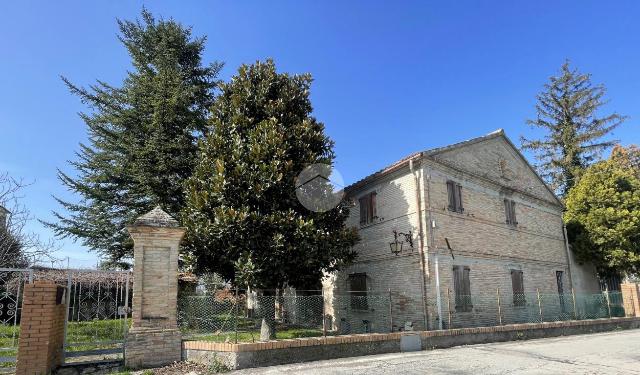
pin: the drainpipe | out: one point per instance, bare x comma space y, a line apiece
431, 246
421, 242
567, 249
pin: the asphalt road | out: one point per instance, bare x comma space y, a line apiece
604, 353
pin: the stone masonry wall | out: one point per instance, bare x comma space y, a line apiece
489, 172
40, 348
391, 280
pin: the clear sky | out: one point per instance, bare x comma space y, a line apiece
391, 78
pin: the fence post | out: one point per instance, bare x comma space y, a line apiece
449, 306
391, 312
66, 316
606, 295
235, 328
539, 304
499, 307
575, 311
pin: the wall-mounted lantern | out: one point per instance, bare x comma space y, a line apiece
396, 245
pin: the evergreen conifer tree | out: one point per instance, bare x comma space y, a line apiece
142, 136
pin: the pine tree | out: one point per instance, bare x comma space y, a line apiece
243, 219
142, 136
567, 111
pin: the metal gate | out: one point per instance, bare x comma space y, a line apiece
12, 282
98, 314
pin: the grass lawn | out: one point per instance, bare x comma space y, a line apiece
252, 336
84, 336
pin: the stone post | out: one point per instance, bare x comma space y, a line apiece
42, 328
631, 298
154, 338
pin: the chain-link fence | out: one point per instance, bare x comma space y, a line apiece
229, 315
501, 308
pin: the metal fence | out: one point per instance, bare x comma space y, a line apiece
236, 315
98, 312
12, 283
501, 308
98, 315
229, 315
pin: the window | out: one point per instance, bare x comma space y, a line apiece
517, 285
462, 288
368, 208
358, 291
510, 212
454, 191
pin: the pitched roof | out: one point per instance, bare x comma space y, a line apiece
434, 151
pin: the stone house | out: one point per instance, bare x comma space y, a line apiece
466, 221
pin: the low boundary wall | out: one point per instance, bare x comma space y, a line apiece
247, 355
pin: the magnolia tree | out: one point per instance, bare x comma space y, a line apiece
243, 217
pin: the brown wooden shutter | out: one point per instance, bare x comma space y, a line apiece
467, 289
462, 288
507, 211
459, 207
373, 209
457, 286
513, 213
451, 192
517, 284
364, 208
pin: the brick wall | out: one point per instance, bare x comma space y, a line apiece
154, 338
40, 348
631, 298
489, 172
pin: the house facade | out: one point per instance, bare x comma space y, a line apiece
444, 232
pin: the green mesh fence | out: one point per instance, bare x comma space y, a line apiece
230, 316
500, 308
236, 316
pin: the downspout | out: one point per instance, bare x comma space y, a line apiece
567, 249
431, 246
421, 242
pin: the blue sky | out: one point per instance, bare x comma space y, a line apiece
390, 77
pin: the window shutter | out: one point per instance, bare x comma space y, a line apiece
467, 290
513, 213
507, 212
517, 285
510, 211
459, 207
457, 286
451, 192
364, 207
462, 288
373, 209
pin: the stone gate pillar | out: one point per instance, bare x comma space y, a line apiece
631, 298
154, 338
